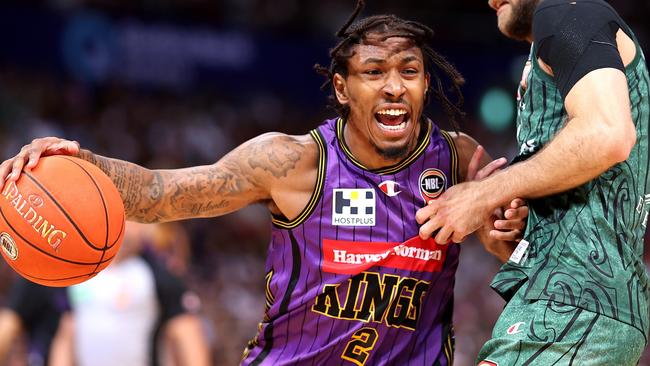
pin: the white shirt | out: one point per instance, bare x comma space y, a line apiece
115, 313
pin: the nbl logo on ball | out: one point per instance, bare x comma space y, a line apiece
432, 183
9, 246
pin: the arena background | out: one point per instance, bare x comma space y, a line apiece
173, 83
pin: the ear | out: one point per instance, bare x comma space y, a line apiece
341, 88
427, 80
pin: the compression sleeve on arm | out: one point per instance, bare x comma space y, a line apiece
575, 39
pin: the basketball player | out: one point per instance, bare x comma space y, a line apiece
348, 278
577, 288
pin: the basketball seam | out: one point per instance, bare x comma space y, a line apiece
64, 213
91, 274
104, 203
101, 196
43, 251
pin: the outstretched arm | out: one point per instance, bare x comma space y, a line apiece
257, 171
599, 134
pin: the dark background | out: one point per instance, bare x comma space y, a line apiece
177, 83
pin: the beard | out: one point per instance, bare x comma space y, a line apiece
520, 24
392, 153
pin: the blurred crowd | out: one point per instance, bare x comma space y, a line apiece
222, 259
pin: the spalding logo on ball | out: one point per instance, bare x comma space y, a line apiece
61, 223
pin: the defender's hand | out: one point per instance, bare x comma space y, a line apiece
435, 217
511, 226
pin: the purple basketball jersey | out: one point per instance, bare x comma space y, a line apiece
349, 281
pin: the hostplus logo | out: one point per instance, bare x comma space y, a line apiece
353, 207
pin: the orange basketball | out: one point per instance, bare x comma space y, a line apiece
61, 223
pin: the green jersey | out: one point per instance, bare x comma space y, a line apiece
585, 245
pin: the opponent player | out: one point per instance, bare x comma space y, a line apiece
348, 279
577, 286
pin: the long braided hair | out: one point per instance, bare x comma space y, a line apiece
387, 26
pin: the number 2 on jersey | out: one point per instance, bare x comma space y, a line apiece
358, 349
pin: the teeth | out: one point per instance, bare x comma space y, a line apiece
398, 127
392, 112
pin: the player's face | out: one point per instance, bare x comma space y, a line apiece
385, 90
515, 17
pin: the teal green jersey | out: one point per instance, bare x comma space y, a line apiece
585, 245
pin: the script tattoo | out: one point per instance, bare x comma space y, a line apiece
207, 191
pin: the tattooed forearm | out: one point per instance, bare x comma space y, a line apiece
140, 188
97, 160
242, 177
277, 156
213, 190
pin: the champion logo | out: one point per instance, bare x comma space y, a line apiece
390, 188
515, 328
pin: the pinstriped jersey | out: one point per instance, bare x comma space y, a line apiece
349, 282
586, 245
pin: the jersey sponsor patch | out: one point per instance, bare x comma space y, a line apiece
352, 257
432, 183
353, 207
390, 188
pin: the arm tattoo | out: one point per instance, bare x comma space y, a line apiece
277, 156
207, 191
139, 187
240, 178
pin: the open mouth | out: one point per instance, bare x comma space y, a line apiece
394, 119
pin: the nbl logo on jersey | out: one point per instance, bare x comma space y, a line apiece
353, 207
432, 183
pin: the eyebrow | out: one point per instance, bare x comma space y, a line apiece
408, 59
374, 60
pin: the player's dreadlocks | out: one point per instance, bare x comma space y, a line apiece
387, 26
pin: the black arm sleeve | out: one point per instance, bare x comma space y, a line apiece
575, 38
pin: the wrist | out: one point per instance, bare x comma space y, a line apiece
494, 191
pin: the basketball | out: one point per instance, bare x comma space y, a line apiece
61, 223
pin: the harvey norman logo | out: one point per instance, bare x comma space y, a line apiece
353, 257
353, 207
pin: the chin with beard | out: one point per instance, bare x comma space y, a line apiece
400, 152
392, 153
520, 26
